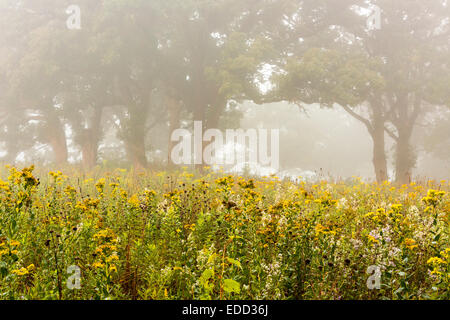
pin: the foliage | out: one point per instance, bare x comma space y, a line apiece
177, 235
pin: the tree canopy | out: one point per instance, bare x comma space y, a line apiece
162, 63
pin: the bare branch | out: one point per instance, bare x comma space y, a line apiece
391, 133
358, 117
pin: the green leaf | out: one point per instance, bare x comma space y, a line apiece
234, 262
212, 258
229, 285
207, 274
205, 277
3, 269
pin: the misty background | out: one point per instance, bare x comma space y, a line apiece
356, 88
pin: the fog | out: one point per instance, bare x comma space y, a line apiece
350, 88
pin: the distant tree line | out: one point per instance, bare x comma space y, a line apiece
135, 64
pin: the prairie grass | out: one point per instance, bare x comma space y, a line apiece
183, 235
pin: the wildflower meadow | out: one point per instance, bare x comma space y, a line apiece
181, 235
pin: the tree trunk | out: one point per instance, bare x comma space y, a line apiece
379, 152
136, 153
375, 127
174, 110
89, 154
135, 136
56, 136
199, 115
90, 140
59, 146
405, 160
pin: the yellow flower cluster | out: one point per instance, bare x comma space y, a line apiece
24, 271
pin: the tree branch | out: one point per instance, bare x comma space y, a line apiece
391, 133
358, 117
